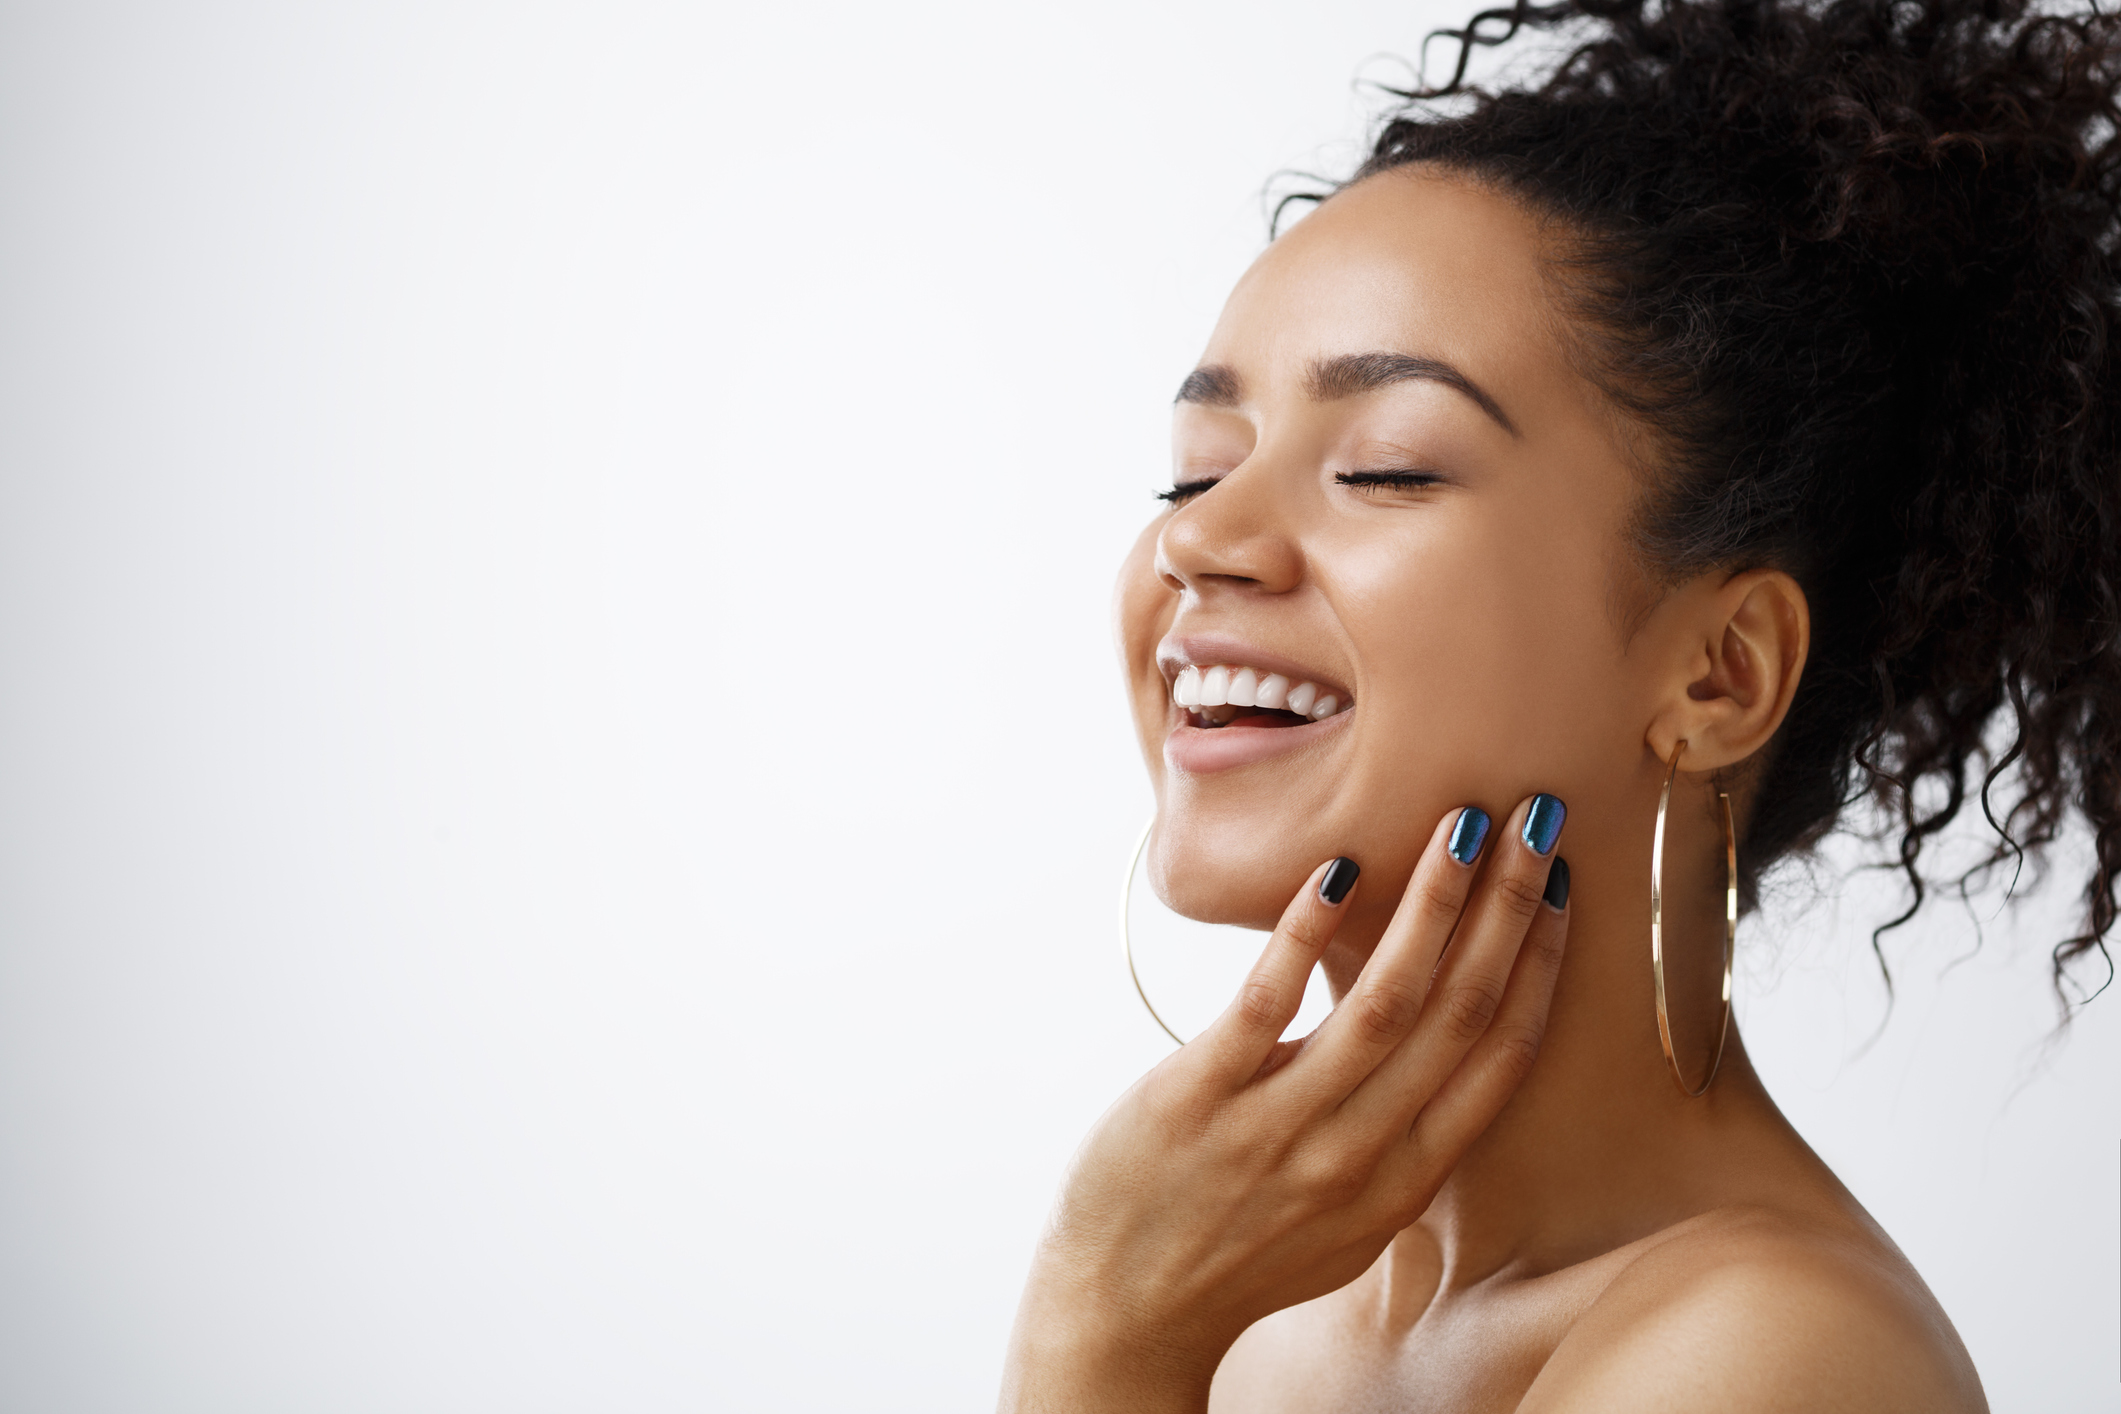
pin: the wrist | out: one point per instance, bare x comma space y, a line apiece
1076, 1354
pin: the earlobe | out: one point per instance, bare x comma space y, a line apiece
1741, 653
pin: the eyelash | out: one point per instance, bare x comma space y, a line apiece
1400, 480
1183, 491
1397, 480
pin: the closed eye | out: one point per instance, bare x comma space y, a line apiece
1184, 491
1398, 480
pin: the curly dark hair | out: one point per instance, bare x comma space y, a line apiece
1854, 264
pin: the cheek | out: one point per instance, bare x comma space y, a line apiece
1493, 650
1143, 606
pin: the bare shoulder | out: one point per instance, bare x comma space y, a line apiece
1751, 1310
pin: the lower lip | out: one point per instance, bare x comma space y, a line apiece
1201, 750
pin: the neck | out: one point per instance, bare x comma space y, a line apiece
1600, 1147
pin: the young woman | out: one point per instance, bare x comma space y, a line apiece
1618, 478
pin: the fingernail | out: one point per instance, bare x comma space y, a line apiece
1557, 894
1469, 834
1542, 823
1340, 877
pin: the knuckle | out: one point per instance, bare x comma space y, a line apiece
1180, 1113
1259, 1002
1516, 1047
1548, 947
1520, 896
1436, 901
1469, 1006
1385, 1009
1308, 931
1332, 1178
1422, 1157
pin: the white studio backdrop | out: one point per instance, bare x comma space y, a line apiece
562, 778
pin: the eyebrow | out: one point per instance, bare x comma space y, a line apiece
1211, 385
1330, 379
1350, 374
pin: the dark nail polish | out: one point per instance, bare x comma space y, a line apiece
1340, 877
1469, 834
1557, 894
1542, 823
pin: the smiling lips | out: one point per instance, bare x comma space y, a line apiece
1222, 708
1234, 695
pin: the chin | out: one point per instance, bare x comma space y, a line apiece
1236, 872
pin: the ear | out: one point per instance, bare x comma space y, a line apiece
1735, 649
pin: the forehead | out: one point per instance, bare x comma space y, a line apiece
1413, 260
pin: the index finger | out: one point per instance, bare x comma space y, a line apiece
1238, 1042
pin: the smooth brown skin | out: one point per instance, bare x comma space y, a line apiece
1406, 1211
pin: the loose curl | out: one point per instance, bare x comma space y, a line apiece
1854, 265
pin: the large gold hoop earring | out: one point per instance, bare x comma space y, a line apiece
1730, 929
1126, 943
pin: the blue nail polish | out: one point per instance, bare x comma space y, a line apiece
1542, 823
1469, 834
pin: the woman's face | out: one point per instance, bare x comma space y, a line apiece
1462, 598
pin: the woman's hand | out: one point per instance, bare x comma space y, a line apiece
1246, 1174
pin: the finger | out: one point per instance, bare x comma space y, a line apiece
1386, 999
1240, 1040
1498, 1063
1467, 996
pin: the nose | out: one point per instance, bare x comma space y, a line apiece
1235, 536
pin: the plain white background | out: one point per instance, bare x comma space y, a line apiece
561, 773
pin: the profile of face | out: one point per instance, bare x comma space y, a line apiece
1395, 485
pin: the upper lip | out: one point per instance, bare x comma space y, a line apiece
1179, 651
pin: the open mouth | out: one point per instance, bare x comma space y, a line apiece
1232, 695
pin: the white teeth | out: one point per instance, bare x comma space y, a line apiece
1233, 685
